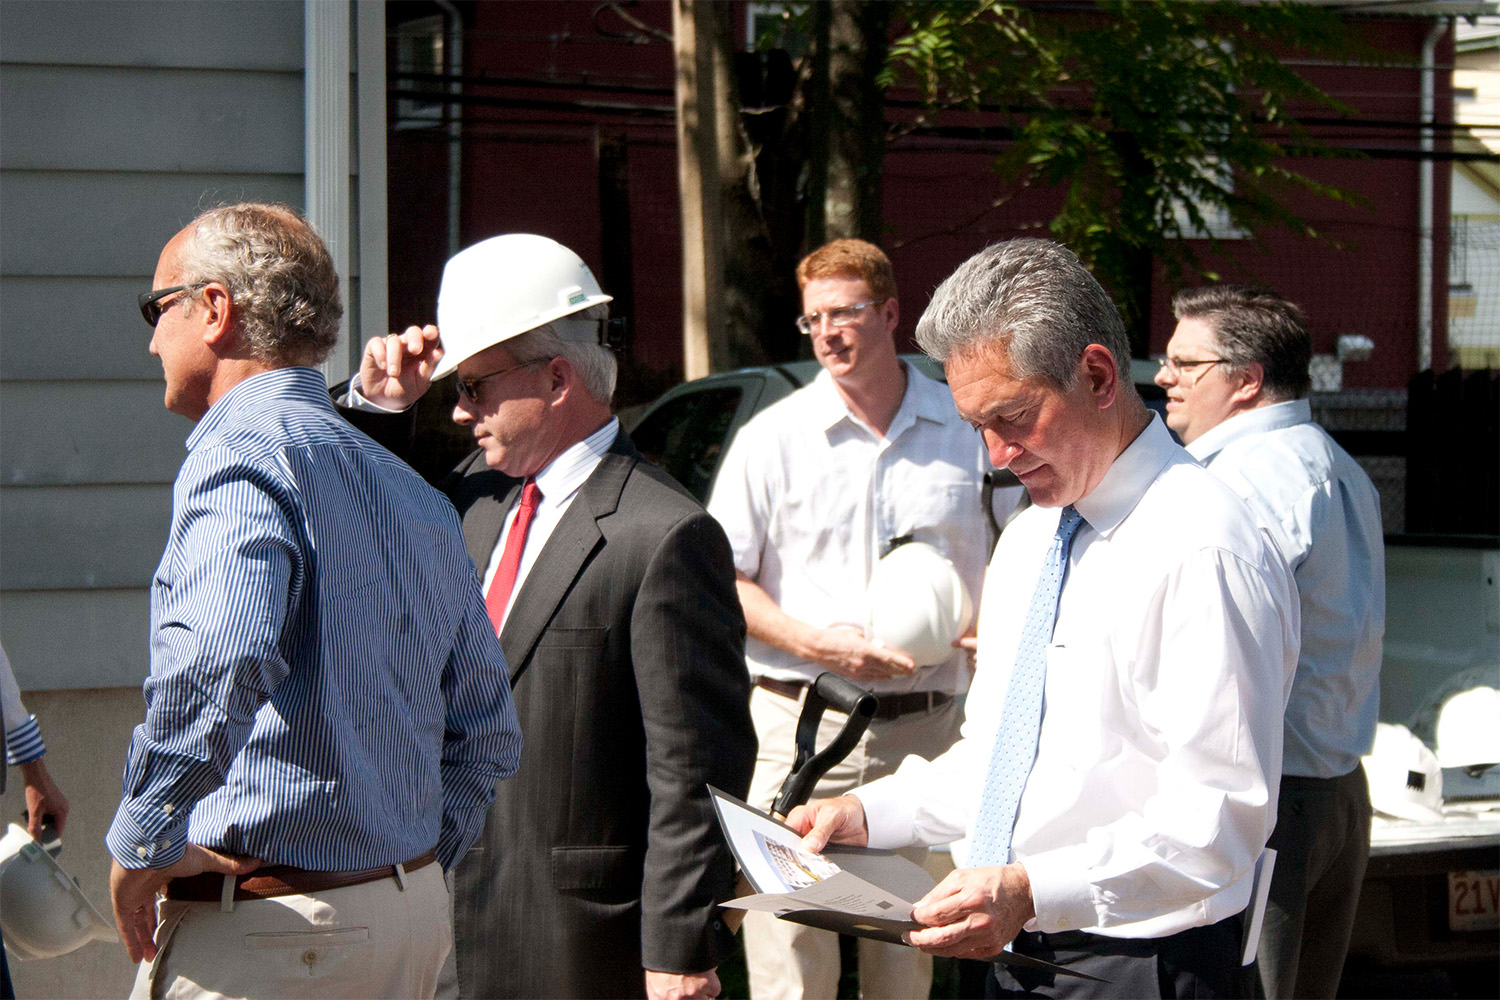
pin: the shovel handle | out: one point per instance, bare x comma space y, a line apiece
828, 691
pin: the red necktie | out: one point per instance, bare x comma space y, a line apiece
510, 560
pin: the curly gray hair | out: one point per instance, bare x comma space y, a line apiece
279, 274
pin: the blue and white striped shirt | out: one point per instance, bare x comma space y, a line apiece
326, 690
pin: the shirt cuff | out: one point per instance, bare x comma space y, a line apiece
1064, 901
133, 847
23, 744
355, 400
890, 818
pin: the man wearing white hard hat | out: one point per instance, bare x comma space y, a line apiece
855, 510
1236, 374
601, 866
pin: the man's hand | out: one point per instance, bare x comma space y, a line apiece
397, 369
43, 799
133, 893
845, 651
974, 912
825, 821
682, 986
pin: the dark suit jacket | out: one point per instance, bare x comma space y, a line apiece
602, 855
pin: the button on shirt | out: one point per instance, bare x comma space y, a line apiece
326, 690
559, 483
810, 498
1155, 781
1324, 514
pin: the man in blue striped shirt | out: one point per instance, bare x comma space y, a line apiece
324, 717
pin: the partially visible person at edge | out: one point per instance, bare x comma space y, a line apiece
601, 865
327, 711
812, 492
44, 800
1236, 377
1117, 832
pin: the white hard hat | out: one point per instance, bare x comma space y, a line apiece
918, 603
43, 912
1468, 729
1405, 778
503, 286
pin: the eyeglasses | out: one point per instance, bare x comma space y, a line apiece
150, 302
468, 388
1178, 367
838, 316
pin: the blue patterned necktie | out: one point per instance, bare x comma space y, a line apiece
1021, 720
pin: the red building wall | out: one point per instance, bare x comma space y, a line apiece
545, 80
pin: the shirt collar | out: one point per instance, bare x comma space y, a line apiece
1256, 421
924, 399
562, 477
304, 384
1128, 477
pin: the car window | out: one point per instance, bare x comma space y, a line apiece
687, 435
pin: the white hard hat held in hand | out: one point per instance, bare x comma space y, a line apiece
44, 913
504, 286
918, 603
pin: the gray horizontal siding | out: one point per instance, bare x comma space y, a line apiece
113, 224
76, 638
75, 328
223, 33
182, 121
127, 436
77, 537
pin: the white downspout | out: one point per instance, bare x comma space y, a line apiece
325, 99
1425, 194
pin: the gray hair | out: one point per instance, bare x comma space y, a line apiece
1254, 326
595, 363
1032, 298
279, 274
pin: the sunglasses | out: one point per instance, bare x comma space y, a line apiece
468, 388
151, 304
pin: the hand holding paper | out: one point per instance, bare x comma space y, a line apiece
974, 912
830, 821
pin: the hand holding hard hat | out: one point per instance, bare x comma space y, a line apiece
43, 912
918, 603
495, 290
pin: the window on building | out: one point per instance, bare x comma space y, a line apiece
420, 64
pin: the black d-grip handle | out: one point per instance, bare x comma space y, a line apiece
828, 691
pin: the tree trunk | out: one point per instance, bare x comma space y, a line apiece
699, 185
857, 43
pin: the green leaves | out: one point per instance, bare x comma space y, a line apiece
1163, 121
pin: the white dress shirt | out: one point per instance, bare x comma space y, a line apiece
1155, 781
811, 497
558, 482
1324, 514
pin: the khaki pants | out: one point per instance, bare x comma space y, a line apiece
371, 940
787, 961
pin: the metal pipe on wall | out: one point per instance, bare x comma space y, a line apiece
1425, 194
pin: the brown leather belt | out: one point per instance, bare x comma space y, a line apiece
892, 706
283, 880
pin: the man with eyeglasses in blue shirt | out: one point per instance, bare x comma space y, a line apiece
812, 492
328, 708
1236, 376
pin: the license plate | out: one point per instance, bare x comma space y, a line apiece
1474, 901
